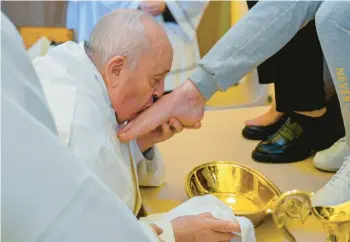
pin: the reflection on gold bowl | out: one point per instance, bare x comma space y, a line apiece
246, 191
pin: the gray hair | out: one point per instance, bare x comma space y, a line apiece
119, 33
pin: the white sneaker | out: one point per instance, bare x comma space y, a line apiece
337, 190
332, 158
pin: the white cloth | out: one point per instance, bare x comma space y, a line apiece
86, 122
204, 204
82, 16
47, 195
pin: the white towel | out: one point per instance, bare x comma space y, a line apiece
218, 209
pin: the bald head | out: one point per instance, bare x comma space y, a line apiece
133, 54
125, 32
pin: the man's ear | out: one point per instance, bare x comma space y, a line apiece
113, 69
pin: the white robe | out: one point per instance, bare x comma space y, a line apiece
48, 195
86, 122
82, 16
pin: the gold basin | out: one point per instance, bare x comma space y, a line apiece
252, 195
246, 191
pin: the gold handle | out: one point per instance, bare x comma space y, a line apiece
292, 204
338, 232
297, 205
336, 219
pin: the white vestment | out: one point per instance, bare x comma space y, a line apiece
47, 194
82, 16
86, 122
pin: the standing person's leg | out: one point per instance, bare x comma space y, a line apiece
333, 28
331, 159
299, 84
300, 95
259, 128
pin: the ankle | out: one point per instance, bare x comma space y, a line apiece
277, 114
273, 111
274, 115
268, 118
314, 114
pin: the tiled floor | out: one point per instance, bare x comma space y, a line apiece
220, 139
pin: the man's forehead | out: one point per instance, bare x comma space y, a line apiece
161, 63
159, 54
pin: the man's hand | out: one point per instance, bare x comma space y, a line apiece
160, 134
203, 228
153, 7
185, 104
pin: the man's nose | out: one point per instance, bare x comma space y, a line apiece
159, 90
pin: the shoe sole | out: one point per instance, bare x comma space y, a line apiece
278, 159
326, 169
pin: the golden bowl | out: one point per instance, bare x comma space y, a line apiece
246, 191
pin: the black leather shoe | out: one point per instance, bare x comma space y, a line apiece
293, 142
262, 132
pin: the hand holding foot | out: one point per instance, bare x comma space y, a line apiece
186, 104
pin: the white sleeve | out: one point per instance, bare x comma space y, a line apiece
151, 172
168, 233
188, 15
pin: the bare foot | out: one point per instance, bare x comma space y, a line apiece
186, 104
268, 118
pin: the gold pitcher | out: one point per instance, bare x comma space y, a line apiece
252, 195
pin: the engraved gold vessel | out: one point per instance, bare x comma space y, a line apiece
252, 195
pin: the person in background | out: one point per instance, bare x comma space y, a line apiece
93, 88
180, 19
297, 73
263, 31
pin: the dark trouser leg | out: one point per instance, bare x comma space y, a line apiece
296, 71
299, 84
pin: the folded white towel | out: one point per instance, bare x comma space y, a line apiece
218, 209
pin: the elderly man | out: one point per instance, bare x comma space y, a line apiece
248, 44
94, 87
